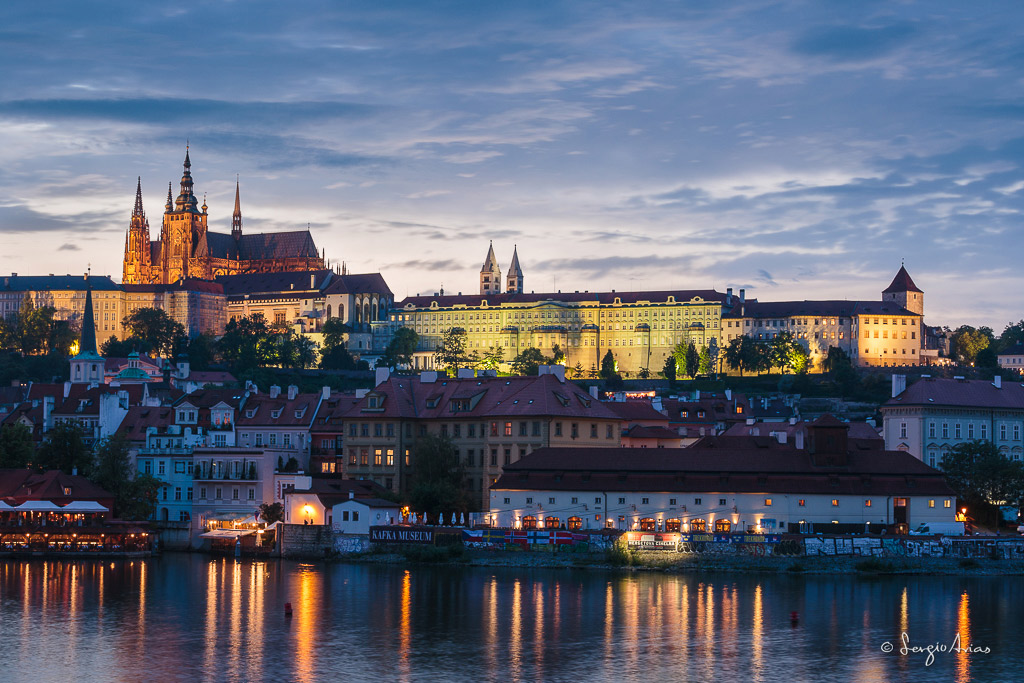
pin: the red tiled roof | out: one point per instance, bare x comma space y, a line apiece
263, 408
636, 411
17, 486
647, 432
781, 469
969, 393
140, 418
901, 283
409, 397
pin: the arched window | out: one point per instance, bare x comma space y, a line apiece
341, 311
366, 312
672, 525
375, 311
552, 522
529, 522
328, 310
723, 526
648, 524
698, 525
575, 523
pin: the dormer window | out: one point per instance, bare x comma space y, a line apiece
250, 413
371, 402
67, 490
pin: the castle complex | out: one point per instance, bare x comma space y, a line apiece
186, 249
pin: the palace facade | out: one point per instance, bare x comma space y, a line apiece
186, 249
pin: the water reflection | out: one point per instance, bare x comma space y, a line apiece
197, 618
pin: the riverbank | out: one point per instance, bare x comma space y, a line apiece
696, 562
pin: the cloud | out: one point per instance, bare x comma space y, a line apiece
764, 277
852, 43
67, 246
428, 264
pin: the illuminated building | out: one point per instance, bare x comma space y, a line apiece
186, 249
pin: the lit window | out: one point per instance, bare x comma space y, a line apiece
835, 502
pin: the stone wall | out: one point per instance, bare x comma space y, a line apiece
306, 540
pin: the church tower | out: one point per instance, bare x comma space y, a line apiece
904, 292
183, 235
87, 365
490, 274
236, 217
514, 279
136, 248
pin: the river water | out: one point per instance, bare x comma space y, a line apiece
197, 618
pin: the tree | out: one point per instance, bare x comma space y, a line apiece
643, 373
272, 512
704, 365
1012, 335
557, 356
16, 447
609, 368
982, 476
64, 449
836, 360
691, 360
337, 358
528, 362
743, 353
451, 353
201, 351
669, 371
577, 371
156, 328
245, 344
400, 349
493, 358
294, 351
437, 476
967, 342
134, 496
61, 336
334, 331
8, 337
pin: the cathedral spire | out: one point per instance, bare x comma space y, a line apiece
87, 343
236, 217
490, 273
187, 201
137, 211
170, 199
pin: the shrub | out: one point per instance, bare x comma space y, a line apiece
619, 555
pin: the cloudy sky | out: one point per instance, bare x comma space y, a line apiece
797, 149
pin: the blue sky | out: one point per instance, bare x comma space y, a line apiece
796, 149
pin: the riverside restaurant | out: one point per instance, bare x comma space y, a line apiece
41, 527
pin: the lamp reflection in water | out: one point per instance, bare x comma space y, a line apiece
212, 596
963, 628
405, 626
757, 634
538, 628
515, 637
305, 621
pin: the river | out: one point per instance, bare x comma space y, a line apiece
198, 618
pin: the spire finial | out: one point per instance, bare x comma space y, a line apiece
138, 199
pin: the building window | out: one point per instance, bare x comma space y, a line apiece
252, 493
931, 430
177, 493
259, 439
218, 493
529, 501
645, 501
378, 457
536, 428
610, 433
721, 501
161, 467
391, 457
234, 493
622, 501
947, 503
273, 438
970, 430
945, 430
508, 501
696, 501
835, 502
671, 501
768, 502
956, 431
202, 493
558, 429
867, 503
903, 430
188, 493
931, 502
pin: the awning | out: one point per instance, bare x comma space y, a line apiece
5, 506
227, 533
38, 506
84, 506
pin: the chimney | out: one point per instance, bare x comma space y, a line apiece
593, 391
755, 431
351, 494
275, 391
465, 373
47, 413
382, 376
782, 436
312, 280
428, 376
728, 394
696, 395
899, 385
251, 388
743, 296
326, 393
728, 297
998, 381
799, 440
293, 391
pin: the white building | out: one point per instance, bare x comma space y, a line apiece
357, 515
724, 484
932, 416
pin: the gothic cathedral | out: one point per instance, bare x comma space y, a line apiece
186, 249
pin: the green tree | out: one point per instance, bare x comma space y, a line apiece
745, 354
609, 368
246, 344
134, 497
400, 349
8, 336
528, 362
64, 449
967, 342
985, 478
451, 353
272, 512
704, 366
493, 358
577, 371
1012, 335
557, 356
201, 351
16, 447
156, 328
334, 331
60, 337
294, 351
643, 373
437, 476
337, 358
669, 371
691, 360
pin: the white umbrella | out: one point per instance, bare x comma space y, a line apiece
462, 519
415, 518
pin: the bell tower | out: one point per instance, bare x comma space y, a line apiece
184, 230
904, 292
490, 274
514, 279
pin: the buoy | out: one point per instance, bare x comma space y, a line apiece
288, 609
794, 618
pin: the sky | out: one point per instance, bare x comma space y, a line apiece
798, 150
